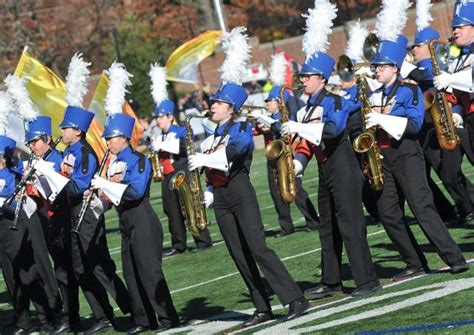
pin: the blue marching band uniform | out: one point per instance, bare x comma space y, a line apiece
324, 128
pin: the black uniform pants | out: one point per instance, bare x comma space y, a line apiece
447, 165
302, 201
404, 171
142, 245
24, 277
58, 231
342, 218
238, 216
94, 268
176, 221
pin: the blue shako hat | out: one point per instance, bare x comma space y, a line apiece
424, 36
274, 94
7, 146
389, 52
38, 127
166, 107
231, 93
463, 14
78, 118
319, 63
119, 125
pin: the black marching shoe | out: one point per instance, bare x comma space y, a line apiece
458, 268
173, 252
20, 331
99, 326
465, 219
296, 309
322, 291
282, 233
138, 329
366, 289
60, 328
408, 273
256, 318
201, 249
164, 327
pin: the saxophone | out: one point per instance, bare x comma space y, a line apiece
190, 193
281, 157
367, 142
155, 166
439, 108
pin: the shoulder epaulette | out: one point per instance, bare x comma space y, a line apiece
414, 90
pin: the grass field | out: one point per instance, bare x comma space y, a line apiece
211, 297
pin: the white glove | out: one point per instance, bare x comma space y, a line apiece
290, 128
458, 121
266, 120
98, 182
255, 113
298, 168
97, 206
196, 161
156, 145
394, 125
209, 196
442, 81
216, 160
42, 166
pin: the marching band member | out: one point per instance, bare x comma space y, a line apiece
227, 156
447, 164
93, 267
458, 78
323, 125
171, 148
19, 251
270, 128
128, 188
354, 51
29, 214
399, 115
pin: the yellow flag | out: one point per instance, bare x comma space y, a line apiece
98, 103
48, 93
183, 63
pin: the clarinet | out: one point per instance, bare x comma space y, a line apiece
87, 200
19, 204
26, 179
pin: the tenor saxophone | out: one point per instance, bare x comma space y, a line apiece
366, 142
190, 193
440, 109
155, 165
281, 157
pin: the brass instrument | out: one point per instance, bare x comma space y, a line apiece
345, 68
366, 142
190, 193
370, 47
156, 166
280, 155
439, 108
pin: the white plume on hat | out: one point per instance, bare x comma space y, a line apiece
278, 69
119, 78
423, 16
392, 19
318, 27
77, 80
355, 45
237, 49
157, 74
6, 108
16, 88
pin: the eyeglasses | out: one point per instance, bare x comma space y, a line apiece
33, 141
305, 77
380, 67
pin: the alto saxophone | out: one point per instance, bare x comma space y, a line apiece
366, 142
281, 157
190, 193
439, 108
155, 166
